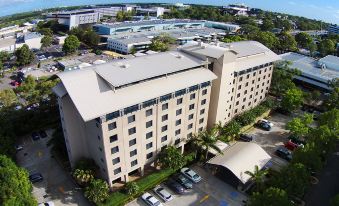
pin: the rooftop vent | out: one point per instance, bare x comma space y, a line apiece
125, 66
179, 56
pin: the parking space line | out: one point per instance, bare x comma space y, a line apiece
204, 198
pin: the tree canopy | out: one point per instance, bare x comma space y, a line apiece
71, 44
23, 55
271, 196
292, 99
97, 191
172, 158
300, 126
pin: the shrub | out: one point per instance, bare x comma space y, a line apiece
132, 188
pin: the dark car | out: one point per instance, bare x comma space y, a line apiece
36, 177
42, 134
245, 137
284, 153
263, 125
175, 186
35, 136
283, 111
185, 182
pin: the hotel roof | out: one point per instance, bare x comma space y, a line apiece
93, 92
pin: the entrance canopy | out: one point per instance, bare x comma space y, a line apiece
241, 157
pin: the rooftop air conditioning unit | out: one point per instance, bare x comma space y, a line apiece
125, 66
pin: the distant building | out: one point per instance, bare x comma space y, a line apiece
237, 9
181, 6
60, 39
318, 74
153, 11
112, 11
68, 65
333, 29
10, 44
75, 18
11, 30
125, 45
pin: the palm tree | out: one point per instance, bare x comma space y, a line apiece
220, 128
97, 191
83, 176
205, 140
257, 176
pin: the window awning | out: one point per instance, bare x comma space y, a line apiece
241, 157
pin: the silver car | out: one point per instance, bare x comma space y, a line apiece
190, 174
163, 193
150, 200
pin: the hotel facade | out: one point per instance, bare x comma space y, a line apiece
122, 114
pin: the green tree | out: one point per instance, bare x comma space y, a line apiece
124, 16
287, 42
303, 39
15, 188
271, 196
46, 41
282, 78
205, 140
91, 38
8, 97
46, 31
97, 191
23, 55
330, 119
172, 158
132, 188
325, 139
71, 44
258, 177
326, 47
83, 177
267, 38
292, 99
230, 39
335, 200
249, 30
157, 45
332, 100
300, 126
28, 90
308, 156
4, 56
267, 25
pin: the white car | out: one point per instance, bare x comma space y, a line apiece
268, 122
150, 200
163, 193
190, 174
50, 203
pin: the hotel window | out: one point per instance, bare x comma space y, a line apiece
164, 128
177, 132
252, 81
164, 138
112, 126
179, 101
249, 103
113, 138
149, 135
134, 162
165, 106
237, 103
117, 171
252, 89
243, 106
236, 111
201, 120
132, 142
133, 153
248, 76
204, 91
240, 79
191, 107
245, 92
131, 118
190, 116
116, 161
178, 122
178, 112
132, 131
239, 87
149, 145
260, 72
238, 95
149, 155
164, 117
246, 84
251, 96
149, 124
149, 112
189, 135
254, 73
202, 111
177, 141
256, 93
190, 126
203, 101
244, 99
114, 150
192, 96
200, 129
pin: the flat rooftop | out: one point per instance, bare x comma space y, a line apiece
310, 67
144, 78
7, 42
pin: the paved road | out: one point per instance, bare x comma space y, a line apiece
57, 185
211, 191
328, 185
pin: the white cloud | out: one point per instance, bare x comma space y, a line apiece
292, 3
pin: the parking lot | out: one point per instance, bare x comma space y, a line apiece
271, 140
57, 185
211, 191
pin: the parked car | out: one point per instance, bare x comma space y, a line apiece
36, 177
267, 122
15, 83
181, 179
284, 153
245, 137
263, 125
163, 193
297, 140
190, 174
50, 203
150, 200
19, 148
175, 186
35, 136
291, 145
42, 134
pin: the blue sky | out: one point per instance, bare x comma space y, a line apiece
326, 10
